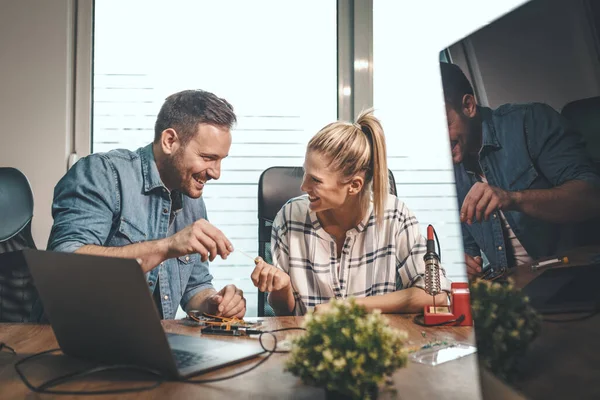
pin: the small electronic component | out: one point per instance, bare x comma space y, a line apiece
216, 325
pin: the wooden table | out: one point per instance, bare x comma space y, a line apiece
453, 380
564, 360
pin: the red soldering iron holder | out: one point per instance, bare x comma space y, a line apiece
460, 305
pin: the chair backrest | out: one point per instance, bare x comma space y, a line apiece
19, 301
276, 186
584, 115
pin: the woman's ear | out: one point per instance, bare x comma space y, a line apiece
356, 185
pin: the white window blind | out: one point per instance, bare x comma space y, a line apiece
406, 77
274, 61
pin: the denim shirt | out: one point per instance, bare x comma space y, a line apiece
117, 198
524, 146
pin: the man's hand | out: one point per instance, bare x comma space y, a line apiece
200, 237
482, 200
473, 265
228, 302
268, 278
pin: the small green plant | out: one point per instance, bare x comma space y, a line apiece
505, 325
347, 350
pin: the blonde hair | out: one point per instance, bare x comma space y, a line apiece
357, 147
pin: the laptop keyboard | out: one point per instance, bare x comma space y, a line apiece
184, 359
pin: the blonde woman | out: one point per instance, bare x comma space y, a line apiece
347, 236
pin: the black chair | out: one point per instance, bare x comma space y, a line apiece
19, 301
584, 116
276, 186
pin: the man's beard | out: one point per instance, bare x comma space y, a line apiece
473, 138
173, 171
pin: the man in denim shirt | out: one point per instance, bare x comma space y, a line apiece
148, 205
521, 174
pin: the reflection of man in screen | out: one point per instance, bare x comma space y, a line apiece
520, 174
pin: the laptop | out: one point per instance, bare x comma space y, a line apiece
565, 290
101, 310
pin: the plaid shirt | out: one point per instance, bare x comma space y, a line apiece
373, 261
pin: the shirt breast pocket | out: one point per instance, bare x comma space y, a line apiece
186, 264
524, 179
128, 233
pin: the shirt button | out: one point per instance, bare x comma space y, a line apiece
187, 258
165, 210
150, 283
499, 247
166, 297
494, 215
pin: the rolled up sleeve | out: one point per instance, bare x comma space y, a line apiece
85, 203
280, 250
557, 148
200, 280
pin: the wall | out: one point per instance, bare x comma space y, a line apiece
542, 52
36, 39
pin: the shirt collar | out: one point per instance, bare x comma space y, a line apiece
150, 170
152, 177
365, 221
488, 132
362, 225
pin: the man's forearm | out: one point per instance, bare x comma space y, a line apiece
200, 302
150, 253
410, 300
283, 301
573, 201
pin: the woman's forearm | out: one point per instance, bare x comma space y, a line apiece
283, 301
411, 300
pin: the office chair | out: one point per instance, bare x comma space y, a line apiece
276, 186
19, 301
584, 116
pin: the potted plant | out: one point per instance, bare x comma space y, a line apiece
347, 351
505, 325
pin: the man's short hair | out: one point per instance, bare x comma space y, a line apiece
455, 85
183, 111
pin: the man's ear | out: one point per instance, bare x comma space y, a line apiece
169, 141
469, 106
356, 185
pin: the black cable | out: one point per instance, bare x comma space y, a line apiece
580, 318
7, 347
420, 320
44, 388
438, 244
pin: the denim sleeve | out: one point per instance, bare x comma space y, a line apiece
85, 202
558, 150
471, 247
199, 280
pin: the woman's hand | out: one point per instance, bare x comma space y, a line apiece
268, 278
